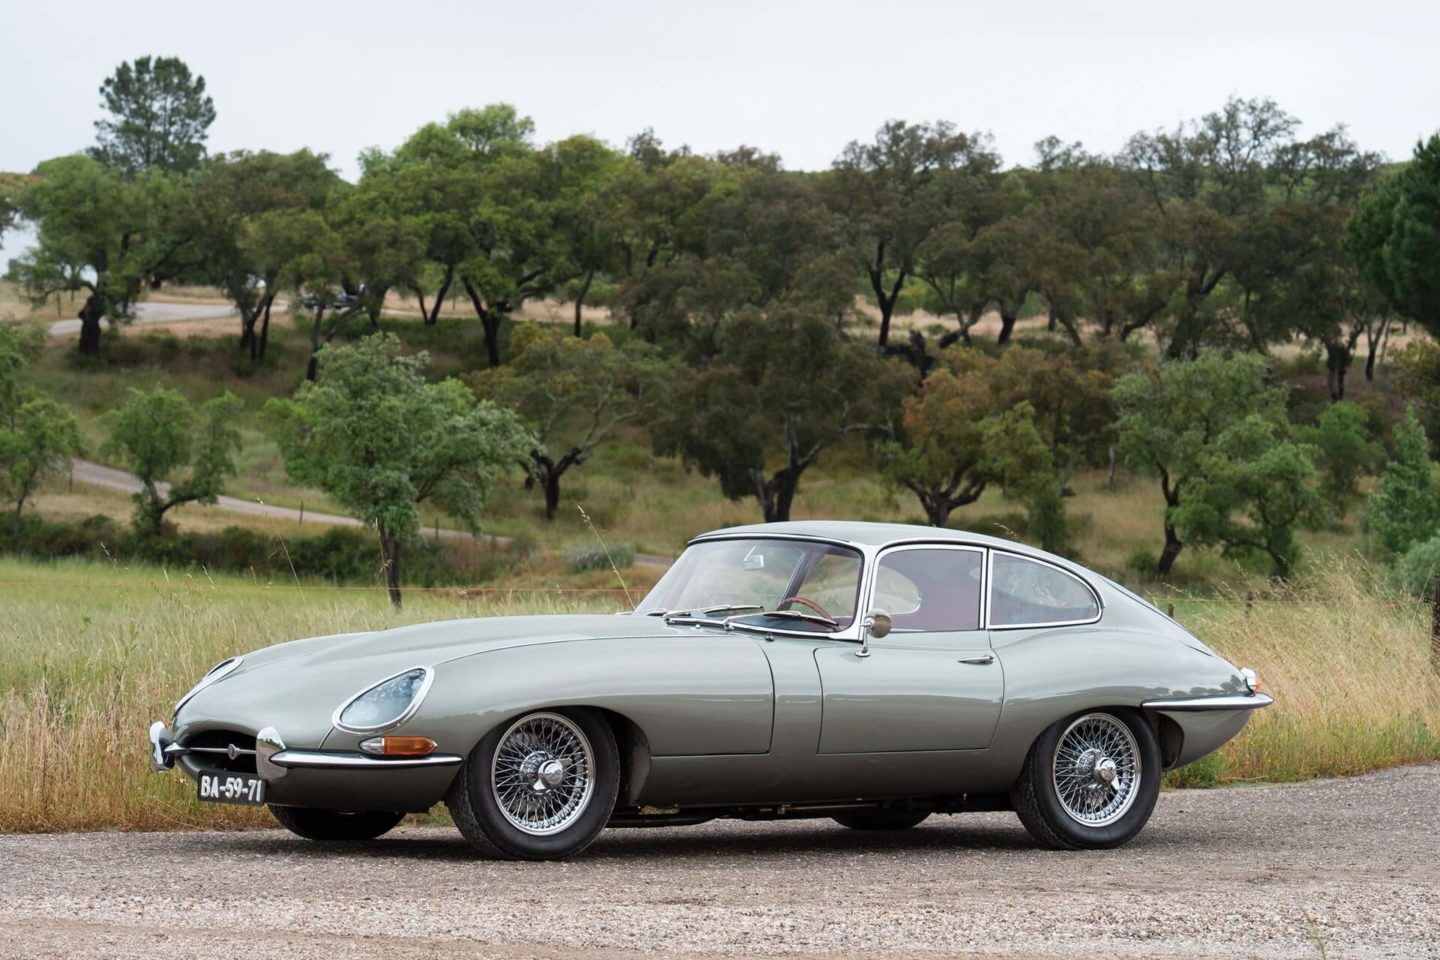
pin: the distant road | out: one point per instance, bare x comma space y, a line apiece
99, 475
157, 312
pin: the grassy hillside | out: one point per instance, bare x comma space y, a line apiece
647, 503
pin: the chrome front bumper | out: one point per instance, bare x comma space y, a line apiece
273, 759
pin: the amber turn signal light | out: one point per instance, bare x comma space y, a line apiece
399, 746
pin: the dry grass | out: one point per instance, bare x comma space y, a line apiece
1348, 662
91, 654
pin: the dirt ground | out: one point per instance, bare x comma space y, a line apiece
1246, 872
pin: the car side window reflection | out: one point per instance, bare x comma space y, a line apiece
927, 590
1026, 593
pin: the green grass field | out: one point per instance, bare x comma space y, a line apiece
91, 654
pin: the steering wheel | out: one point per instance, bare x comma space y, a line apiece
809, 603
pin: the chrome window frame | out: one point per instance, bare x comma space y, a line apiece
873, 576
990, 581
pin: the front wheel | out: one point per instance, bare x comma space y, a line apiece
539, 787
333, 826
1090, 781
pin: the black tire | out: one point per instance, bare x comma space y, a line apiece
882, 819
1041, 810
332, 826
480, 819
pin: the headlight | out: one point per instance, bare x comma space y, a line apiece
387, 704
221, 669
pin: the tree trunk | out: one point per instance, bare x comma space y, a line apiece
580, 299
490, 320
1171, 551
390, 555
1007, 326
937, 509
552, 494
1337, 362
265, 328
776, 494
90, 315
433, 317
313, 367
18, 507
1372, 346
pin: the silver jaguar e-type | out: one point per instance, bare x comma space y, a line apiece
871, 673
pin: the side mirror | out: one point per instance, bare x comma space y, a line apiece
876, 625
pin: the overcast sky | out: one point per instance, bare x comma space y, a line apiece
798, 78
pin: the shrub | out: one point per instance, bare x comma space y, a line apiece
1417, 569
1405, 507
593, 557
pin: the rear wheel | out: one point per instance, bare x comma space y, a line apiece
540, 787
882, 819
333, 826
1090, 781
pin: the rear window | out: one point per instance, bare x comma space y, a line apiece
1029, 593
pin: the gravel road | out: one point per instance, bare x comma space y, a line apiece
1222, 873
99, 475
156, 311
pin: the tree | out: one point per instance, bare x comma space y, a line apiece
1253, 489
98, 234
1216, 184
158, 117
1396, 238
894, 191
1404, 509
1344, 452
783, 386
36, 444
572, 394
37, 435
374, 435
1217, 438
232, 192
959, 434
180, 453
302, 251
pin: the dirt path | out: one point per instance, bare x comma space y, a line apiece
1222, 873
99, 475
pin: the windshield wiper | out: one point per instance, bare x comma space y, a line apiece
803, 615
711, 611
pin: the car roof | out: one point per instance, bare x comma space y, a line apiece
868, 534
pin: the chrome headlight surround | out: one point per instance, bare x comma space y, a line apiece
218, 672
426, 678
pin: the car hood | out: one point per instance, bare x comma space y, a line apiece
296, 686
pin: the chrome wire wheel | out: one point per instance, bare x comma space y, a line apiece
542, 776
1097, 770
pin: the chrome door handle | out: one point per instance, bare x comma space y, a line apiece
981, 661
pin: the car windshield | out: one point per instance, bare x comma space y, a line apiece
808, 585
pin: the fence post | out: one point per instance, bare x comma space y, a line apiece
1435, 627
1249, 602
1170, 610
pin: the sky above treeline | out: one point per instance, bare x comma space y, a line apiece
800, 79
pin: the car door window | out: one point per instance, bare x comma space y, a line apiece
1026, 592
930, 590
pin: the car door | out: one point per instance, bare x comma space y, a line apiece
934, 683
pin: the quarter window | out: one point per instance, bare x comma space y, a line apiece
927, 590
1027, 593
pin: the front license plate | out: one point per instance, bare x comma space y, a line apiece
218, 786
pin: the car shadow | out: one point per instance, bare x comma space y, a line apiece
739, 840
